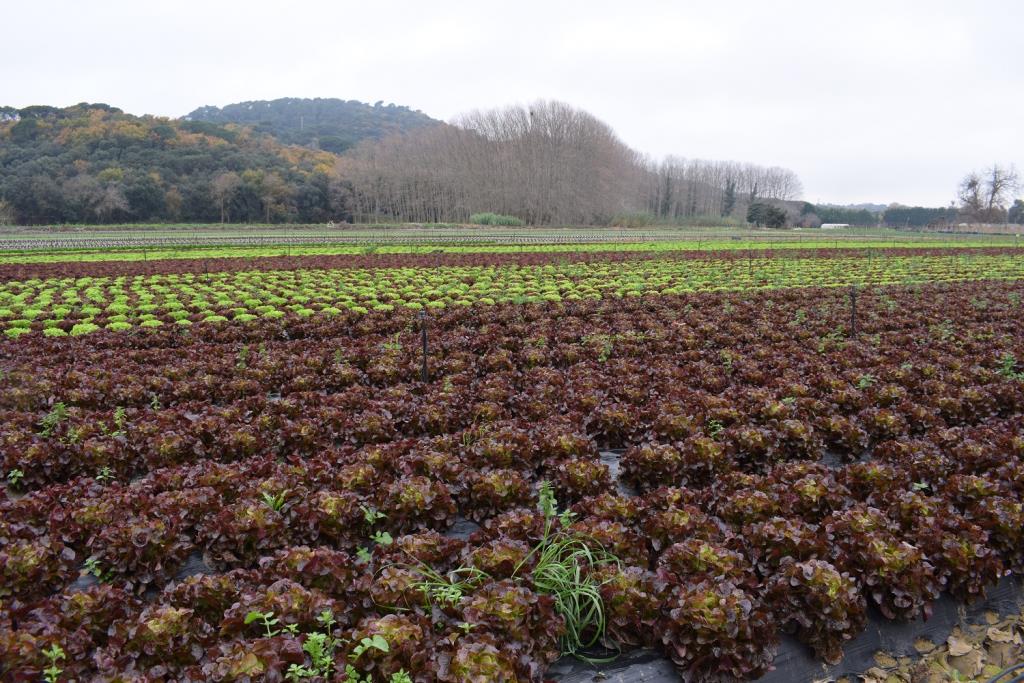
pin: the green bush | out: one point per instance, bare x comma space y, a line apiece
54, 332
489, 218
640, 219
119, 326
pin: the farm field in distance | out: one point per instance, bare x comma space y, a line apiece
424, 454
131, 243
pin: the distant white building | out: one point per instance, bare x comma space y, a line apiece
834, 226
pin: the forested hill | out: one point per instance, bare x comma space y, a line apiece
95, 163
329, 124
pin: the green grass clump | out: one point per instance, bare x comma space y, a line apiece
488, 218
562, 567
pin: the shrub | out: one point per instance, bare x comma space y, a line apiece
488, 218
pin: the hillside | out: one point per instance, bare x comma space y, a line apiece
332, 125
95, 163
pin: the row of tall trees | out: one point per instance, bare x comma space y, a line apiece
685, 188
985, 197
547, 163
912, 217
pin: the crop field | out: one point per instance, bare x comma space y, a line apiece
89, 244
82, 304
463, 466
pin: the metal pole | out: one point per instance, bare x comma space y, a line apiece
424, 372
853, 310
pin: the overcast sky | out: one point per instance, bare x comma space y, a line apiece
866, 101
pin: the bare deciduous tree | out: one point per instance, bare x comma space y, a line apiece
1000, 184
546, 163
984, 196
969, 194
224, 187
6, 212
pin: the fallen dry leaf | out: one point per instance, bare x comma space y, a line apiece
998, 635
958, 647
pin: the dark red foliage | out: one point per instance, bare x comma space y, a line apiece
824, 606
777, 458
519, 616
491, 493
768, 544
632, 600
713, 630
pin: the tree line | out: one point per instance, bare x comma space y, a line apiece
986, 197
92, 163
329, 124
546, 163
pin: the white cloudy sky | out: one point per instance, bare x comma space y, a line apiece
867, 101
